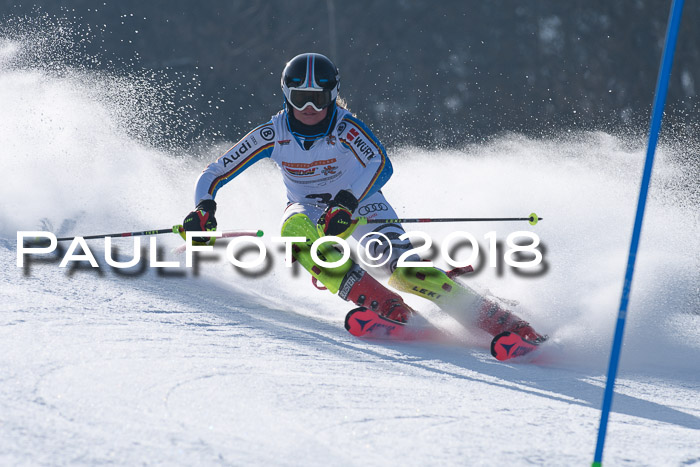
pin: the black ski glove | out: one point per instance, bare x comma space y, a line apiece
337, 217
201, 219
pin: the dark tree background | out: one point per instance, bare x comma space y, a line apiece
424, 72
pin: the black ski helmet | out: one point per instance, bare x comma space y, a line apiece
310, 79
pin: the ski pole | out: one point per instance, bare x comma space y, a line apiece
533, 219
174, 229
227, 234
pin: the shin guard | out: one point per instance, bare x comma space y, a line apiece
433, 284
460, 301
299, 225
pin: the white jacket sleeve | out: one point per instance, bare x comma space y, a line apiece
253, 147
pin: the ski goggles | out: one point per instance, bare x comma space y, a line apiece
319, 99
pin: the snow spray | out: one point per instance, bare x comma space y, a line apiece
74, 160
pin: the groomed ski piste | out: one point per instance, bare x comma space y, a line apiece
224, 366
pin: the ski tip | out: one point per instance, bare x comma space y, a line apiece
362, 322
358, 321
348, 317
507, 345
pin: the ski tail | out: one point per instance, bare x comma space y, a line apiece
507, 345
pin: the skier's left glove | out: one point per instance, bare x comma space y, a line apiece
337, 218
200, 220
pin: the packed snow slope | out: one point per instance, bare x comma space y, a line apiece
219, 365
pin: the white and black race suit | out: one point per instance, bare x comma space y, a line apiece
349, 158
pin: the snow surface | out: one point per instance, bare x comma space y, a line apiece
220, 366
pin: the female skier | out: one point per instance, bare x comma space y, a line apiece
333, 167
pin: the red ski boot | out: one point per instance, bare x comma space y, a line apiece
496, 320
364, 290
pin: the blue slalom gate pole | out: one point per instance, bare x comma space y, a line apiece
657, 115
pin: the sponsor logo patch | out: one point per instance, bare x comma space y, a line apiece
267, 133
372, 207
352, 134
349, 282
302, 169
426, 292
241, 149
301, 172
364, 148
329, 170
302, 165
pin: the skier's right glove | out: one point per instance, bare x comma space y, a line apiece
337, 218
200, 220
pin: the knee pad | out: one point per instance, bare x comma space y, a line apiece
299, 225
